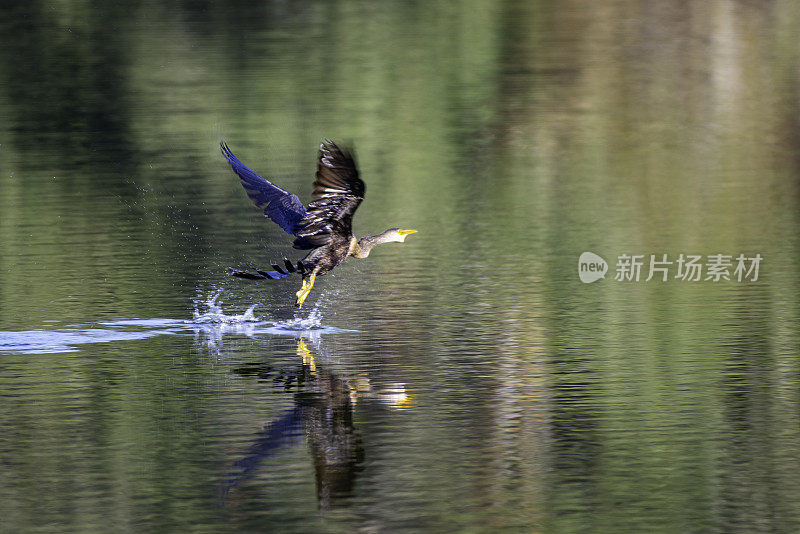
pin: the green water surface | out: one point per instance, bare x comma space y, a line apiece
465, 381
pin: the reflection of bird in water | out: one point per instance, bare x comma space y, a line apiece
323, 411
325, 226
335, 446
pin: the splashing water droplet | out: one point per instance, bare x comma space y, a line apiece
215, 313
299, 324
249, 315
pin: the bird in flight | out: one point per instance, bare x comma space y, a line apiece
325, 226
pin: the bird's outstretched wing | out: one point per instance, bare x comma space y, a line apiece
338, 191
282, 207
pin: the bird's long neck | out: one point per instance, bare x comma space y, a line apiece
360, 248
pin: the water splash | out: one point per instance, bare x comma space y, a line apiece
310, 326
312, 322
215, 313
212, 325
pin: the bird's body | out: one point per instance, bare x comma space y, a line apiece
325, 226
327, 257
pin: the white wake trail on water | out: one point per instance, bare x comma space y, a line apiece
209, 323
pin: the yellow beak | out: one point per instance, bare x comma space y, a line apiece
406, 232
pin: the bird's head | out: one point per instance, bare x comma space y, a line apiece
397, 235
392, 235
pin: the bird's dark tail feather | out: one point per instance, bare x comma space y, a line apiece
280, 272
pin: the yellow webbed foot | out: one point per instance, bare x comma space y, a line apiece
305, 290
301, 297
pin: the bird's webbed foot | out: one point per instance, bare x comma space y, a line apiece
308, 283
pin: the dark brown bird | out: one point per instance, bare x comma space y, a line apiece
325, 226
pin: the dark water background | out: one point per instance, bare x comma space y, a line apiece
466, 381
